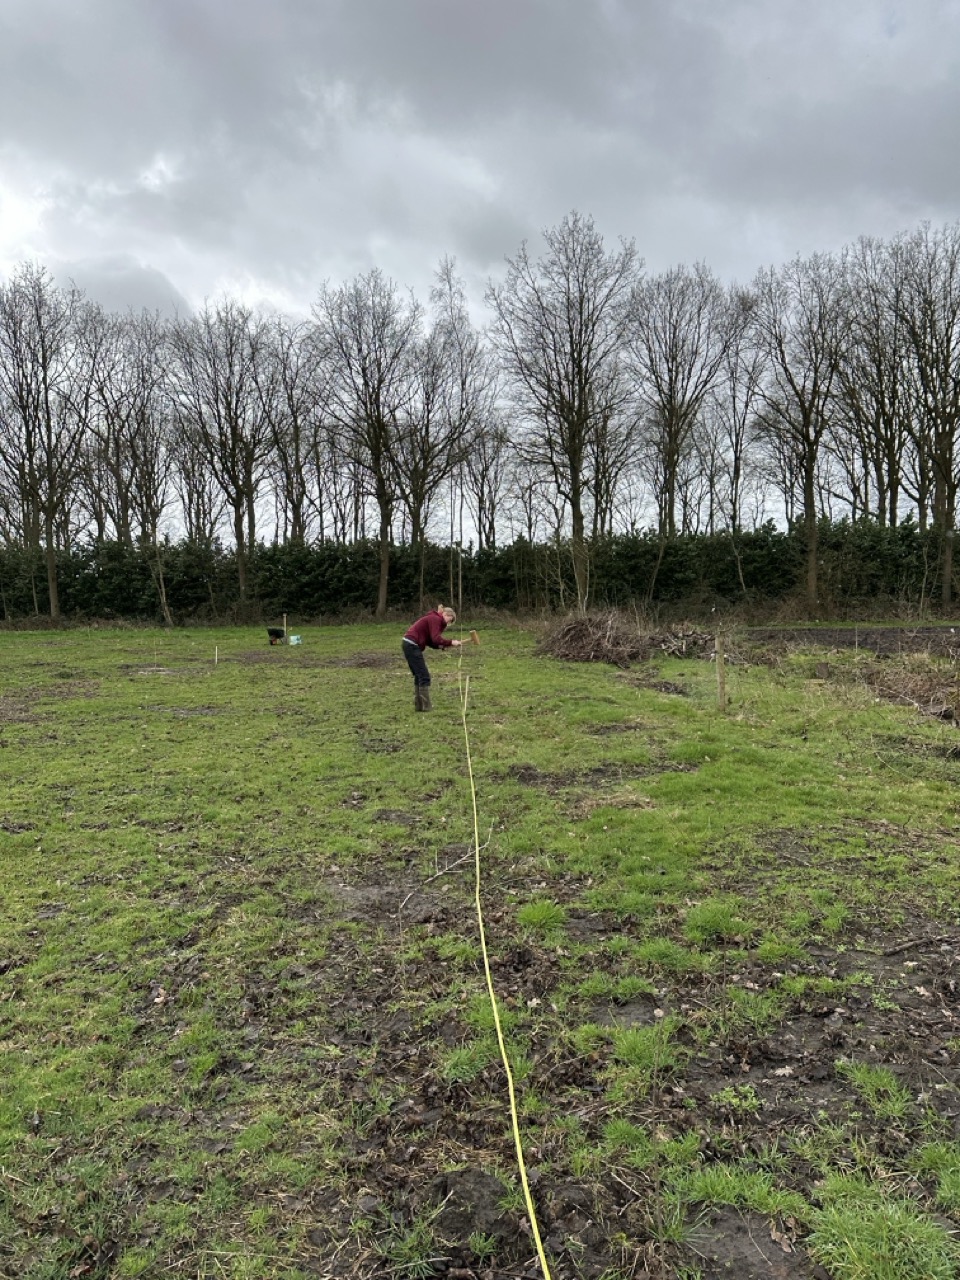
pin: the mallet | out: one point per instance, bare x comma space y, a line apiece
474, 638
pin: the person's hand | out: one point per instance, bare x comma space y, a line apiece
456, 644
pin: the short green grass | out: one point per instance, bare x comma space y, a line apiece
194, 830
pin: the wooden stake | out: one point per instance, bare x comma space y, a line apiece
721, 673
284, 628
216, 654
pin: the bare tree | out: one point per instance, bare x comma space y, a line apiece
802, 323
559, 325
930, 314
732, 404
214, 356
527, 500
45, 388
127, 454
484, 476
450, 390
201, 499
368, 336
452, 387
344, 484
125, 474
870, 430
780, 463
613, 450
680, 333
289, 378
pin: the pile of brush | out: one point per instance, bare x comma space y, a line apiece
686, 642
610, 637
930, 687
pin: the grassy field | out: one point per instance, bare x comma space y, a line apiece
243, 1023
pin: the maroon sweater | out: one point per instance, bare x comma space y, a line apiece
426, 631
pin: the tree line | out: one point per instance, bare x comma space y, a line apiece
599, 402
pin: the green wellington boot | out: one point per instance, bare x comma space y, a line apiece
426, 704
417, 698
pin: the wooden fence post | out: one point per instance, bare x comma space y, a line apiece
721, 672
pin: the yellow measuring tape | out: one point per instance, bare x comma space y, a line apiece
464, 685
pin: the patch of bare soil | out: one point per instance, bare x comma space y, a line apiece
398, 816
279, 654
614, 730
923, 748
72, 688
185, 713
829, 859
530, 776
20, 707
13, 828
381, 746
649, 679
158, 670
624, 797
943, 641
17, 708
375, 660
391, 901
730, 1245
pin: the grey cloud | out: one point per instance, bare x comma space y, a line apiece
121, 284
485, 231
281, 143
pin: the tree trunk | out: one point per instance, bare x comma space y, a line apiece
238, 533
52, 587
810, 531
656, 568
162, 588
384, 566
946, 581
581, 566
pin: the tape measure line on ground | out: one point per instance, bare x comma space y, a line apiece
464, 685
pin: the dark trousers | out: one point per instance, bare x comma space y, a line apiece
416, 662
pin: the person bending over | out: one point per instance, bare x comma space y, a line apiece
426, 632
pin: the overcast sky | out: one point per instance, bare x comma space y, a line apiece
164, 151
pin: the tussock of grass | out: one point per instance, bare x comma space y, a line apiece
645, 1054
941, 1160
879, 1088
744, 1189
885, 1240
542, 915
716, 920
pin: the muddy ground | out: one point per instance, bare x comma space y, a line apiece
790, 1069
903, 1013
378, 1013
886, 641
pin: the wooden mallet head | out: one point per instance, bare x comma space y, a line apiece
474, 638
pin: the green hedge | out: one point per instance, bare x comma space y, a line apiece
861, 561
